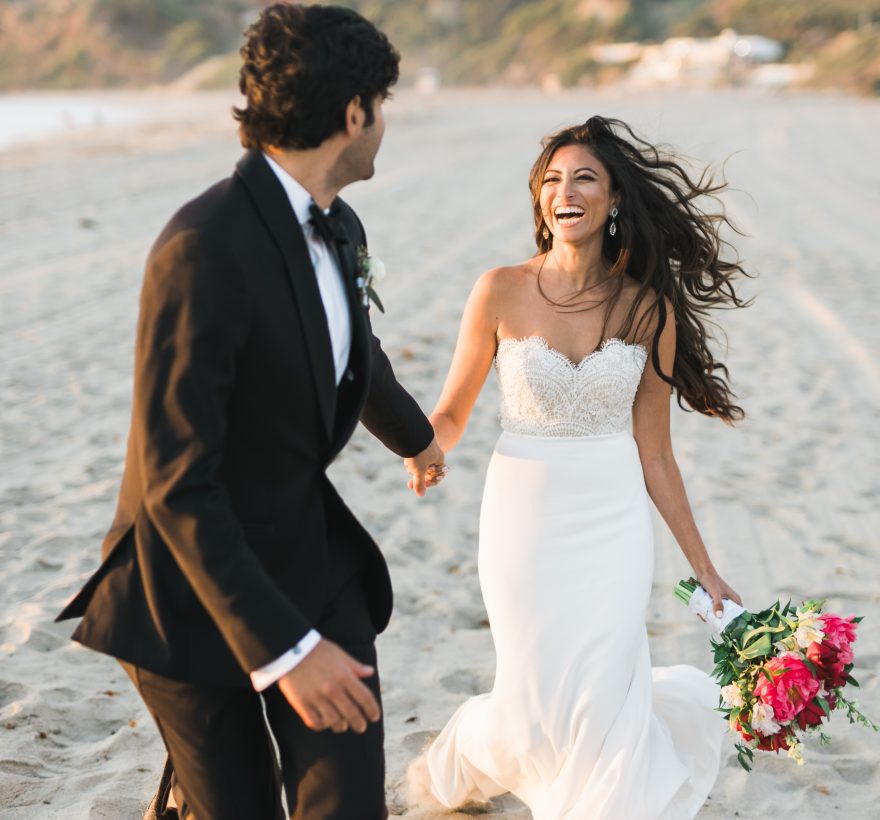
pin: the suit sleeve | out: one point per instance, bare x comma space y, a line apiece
191, 330
390, 413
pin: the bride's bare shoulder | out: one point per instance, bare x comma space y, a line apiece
506, 281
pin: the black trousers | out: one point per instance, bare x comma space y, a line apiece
220, 747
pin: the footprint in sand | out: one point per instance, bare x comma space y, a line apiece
416, 741
19, 769
857, 771
465, 682
405, 604
416, 548
42, 640
11, 692
476, 619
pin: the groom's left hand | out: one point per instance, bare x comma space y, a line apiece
426, 469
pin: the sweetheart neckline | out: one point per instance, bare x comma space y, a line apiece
612, 340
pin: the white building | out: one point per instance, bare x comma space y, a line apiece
691, 61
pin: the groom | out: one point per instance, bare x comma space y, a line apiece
232, 567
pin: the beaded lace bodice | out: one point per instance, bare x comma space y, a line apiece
544, 393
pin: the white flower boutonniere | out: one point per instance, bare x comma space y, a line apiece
371, 271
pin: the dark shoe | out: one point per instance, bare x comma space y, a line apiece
158, 808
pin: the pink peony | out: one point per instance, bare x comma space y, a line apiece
840, 633
791, 689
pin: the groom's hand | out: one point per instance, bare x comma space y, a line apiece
326, 690
426, 469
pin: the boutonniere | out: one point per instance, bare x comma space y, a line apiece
371, 271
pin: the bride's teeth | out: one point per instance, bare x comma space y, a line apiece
568, 215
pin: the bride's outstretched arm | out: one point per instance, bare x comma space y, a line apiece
662, 476
474, 351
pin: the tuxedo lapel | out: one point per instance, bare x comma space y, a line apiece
274, 208
353, 389
359, 336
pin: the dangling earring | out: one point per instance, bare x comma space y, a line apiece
546, 232
612, 228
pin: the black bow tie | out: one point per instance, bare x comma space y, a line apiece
327, 225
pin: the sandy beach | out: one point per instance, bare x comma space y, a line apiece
787, 501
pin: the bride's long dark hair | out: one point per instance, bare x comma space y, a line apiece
668, 244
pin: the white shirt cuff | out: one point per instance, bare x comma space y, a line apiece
265, 676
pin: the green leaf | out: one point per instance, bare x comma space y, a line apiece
825, 707
738, 623
744, 756
759, 631
758, 648
375, 297
852, 681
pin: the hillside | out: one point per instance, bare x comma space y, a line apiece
102, 43
106, 43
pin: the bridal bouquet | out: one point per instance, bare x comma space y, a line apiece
781, 671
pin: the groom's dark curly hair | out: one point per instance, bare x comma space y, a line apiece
302, 65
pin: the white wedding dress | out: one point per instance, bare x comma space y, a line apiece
578, 724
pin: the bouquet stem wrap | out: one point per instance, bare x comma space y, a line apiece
700, 603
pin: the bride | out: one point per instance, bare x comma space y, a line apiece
588, 337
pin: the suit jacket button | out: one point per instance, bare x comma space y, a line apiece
349, 374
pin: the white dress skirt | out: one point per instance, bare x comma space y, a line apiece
578, 725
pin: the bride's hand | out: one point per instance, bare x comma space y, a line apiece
718, 588
426, 469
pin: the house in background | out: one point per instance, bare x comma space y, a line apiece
728, 59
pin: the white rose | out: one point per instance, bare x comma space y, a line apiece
732, 696
762, 719
377, 270
809, 629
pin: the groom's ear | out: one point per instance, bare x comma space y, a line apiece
355, 117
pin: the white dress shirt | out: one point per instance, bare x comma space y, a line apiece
335, 302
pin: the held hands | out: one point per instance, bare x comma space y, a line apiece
427, 469
718, 588
326, 690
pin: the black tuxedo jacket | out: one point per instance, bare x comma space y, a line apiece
227, 532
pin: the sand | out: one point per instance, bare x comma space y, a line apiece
787, 501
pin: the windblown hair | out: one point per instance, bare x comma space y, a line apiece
302, 65
669, 245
